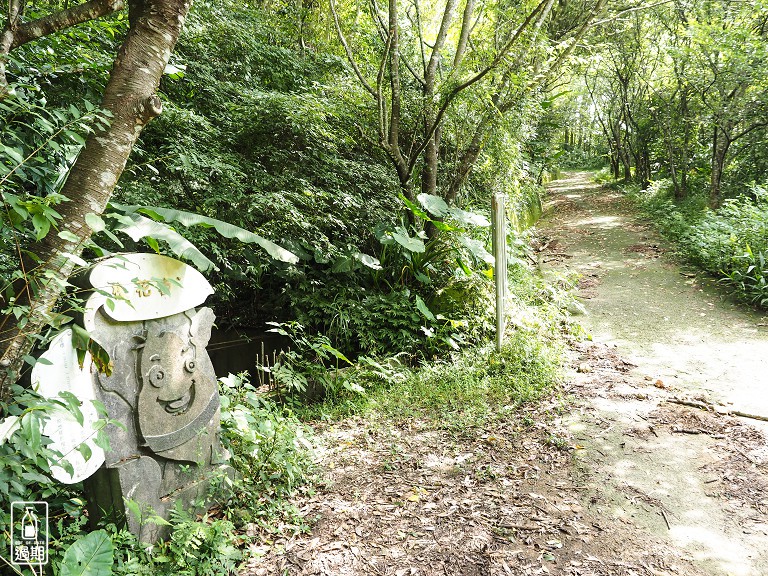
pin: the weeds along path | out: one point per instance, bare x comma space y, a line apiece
666, 345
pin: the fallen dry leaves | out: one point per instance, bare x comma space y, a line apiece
407, 499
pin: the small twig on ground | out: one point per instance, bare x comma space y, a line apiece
666, 520
688, 430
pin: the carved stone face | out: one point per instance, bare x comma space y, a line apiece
178, 402
168, 366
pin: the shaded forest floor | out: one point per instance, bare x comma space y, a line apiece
619, 474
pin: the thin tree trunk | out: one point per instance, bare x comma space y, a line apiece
720, 145
130, 98
684, 152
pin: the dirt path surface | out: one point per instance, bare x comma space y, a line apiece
616, 481
694, 478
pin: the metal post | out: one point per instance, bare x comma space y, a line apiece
499, 231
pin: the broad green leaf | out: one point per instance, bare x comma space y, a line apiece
42, 225
85, 450
335, 352
415, 208
75, 136
224, 228
68, 236
477, 249
469, 218
73, 405
421, 305
409, 243
367, 260
91, 555
183, 248
95, 222
443, 226
15, 154
434, 204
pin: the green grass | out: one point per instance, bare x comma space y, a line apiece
731, 243
477, 387
472, 389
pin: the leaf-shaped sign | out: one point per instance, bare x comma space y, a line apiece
434, 204
145, 286
70, 429
91, 555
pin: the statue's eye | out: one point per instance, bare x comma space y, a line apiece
157, 376
189, 365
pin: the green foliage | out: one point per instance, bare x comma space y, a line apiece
311, 366
132, 220
271, 451
203, 546
477, 386
38, 144
91, 555
731, 242
255, 134
198, 547
422, 294
25, 475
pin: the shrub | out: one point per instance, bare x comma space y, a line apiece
730, 242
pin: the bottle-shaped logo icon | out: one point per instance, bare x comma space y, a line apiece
29, 524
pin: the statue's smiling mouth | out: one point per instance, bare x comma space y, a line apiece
180, 405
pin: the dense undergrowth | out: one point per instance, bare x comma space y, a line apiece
271, 443
388, 309
730, 242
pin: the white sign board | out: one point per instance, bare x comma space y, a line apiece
63, 374
135, 287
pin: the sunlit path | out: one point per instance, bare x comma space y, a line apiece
698, 482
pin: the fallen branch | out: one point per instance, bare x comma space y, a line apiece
716, 409
688, 430
666, 520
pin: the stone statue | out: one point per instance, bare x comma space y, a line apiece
160, 386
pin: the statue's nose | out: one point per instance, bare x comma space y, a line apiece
178, 384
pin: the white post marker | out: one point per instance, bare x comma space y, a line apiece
499, 234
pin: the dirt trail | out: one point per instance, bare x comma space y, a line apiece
694, 479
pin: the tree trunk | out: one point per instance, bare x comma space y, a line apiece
684, 154
625, 162
720, 145
645, 169
130, 98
